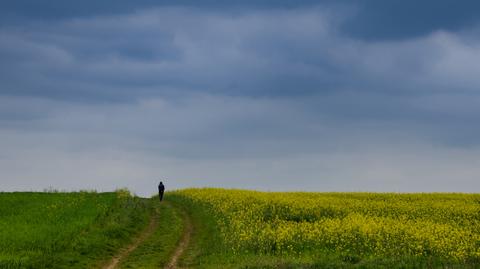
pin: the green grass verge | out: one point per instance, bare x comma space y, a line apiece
155, 252
205, 244
67, 230
205, 240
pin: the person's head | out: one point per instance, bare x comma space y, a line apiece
161, 183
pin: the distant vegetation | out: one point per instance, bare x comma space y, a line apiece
66, 230
326, 230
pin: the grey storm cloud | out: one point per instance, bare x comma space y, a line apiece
331, 96
258, 53
369, 19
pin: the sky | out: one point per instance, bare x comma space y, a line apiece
282, 95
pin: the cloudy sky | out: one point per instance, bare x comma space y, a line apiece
278, 95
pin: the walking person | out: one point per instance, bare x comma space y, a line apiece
161, 189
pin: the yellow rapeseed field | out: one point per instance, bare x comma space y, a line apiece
362, 224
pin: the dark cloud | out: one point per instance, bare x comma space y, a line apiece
370, 19
284, 91
56, 9
397, 19
261, 53
298, 55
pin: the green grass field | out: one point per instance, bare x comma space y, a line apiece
239, 229
66, 230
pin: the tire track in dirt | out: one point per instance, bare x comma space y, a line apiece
115, 261
183, 244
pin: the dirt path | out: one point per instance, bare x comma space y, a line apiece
183, 244
144, 235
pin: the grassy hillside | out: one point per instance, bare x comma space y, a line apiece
66, 230
238, 229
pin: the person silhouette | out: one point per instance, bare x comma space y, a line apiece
161, 189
